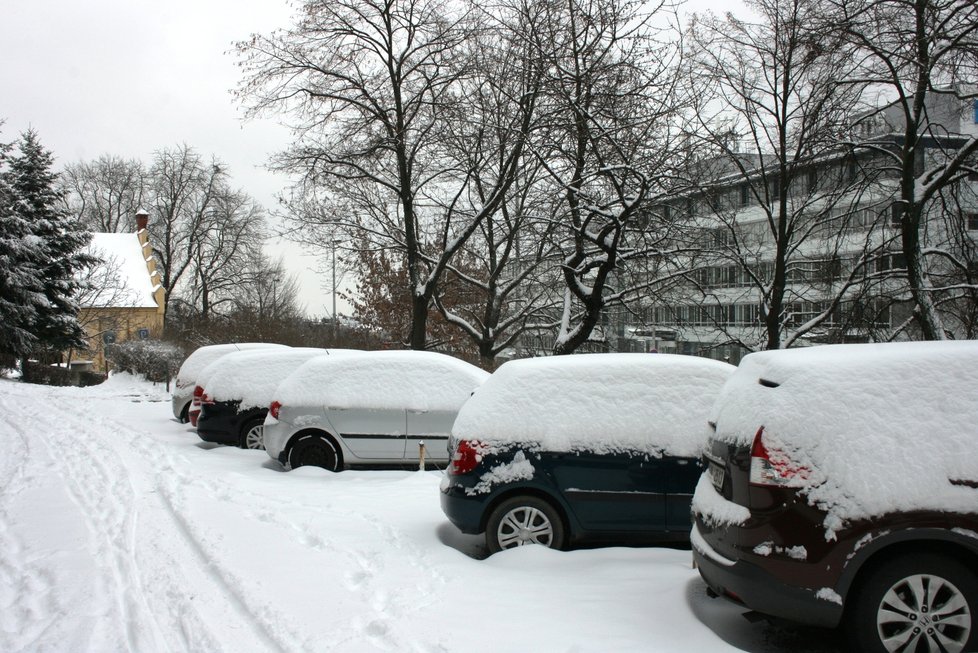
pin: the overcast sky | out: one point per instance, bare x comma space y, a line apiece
128, 77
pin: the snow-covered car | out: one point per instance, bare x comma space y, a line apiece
564, 449
183, 388
842, 489
239, 389
372, 408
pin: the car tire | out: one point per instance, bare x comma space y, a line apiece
252, 435
873, 626
524, 520
314, 450
185, 414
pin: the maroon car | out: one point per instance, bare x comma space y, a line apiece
841, 489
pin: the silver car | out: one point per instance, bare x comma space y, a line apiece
373, 408
183, 389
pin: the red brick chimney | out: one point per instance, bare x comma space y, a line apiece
142, 219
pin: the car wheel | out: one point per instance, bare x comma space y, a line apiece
252, 435
316, 451
185, 414
918, 604
524, 520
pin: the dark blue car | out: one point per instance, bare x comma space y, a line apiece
585, 448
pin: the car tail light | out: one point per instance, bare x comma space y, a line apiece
205, 400
274, 408
198, 393
467, 455
771, 467
193, 415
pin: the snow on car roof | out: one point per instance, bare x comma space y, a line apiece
252, 376
203, 356
605, 403
881, 427
416, 380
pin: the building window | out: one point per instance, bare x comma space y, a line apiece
744, 195
812, 180
851, 170
972, 220
896, 214
976, 112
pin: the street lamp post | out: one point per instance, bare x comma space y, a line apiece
335, 326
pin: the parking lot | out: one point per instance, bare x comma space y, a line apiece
121, 530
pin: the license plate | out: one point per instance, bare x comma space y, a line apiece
717, 474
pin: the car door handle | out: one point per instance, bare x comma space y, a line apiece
417, 412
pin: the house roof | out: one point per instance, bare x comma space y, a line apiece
122, 278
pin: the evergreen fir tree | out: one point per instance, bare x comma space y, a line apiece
21, 289
40, 255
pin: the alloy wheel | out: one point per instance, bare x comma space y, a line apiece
524, 525
924, 612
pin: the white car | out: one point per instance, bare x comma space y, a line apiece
373, 408
183, 389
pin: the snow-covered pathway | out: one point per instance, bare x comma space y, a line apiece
121, 531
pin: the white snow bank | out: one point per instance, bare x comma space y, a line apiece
123, 384
252, 376
881, 428
651, 403
201, 357
415, 380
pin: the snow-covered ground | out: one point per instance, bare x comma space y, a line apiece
121, 531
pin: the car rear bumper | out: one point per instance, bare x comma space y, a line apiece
178, 402
219, 436
465, 512
753, 587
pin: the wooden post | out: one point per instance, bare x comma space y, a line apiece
421, 453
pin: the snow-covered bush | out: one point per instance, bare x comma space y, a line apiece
155, 360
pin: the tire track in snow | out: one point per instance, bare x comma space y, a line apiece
170, 486
27, 599
389, 612
106, 498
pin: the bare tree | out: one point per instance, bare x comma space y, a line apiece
612, 102
774, 196
230, 236
105, 194
367, 84
490, 291
919, 59
183, 195
266, 295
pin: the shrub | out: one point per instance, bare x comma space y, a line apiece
157, 361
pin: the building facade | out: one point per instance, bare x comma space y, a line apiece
125, 300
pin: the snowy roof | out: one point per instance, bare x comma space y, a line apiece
881, 427
415, 380
201, 357
604, 403
252, 376
121, 279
